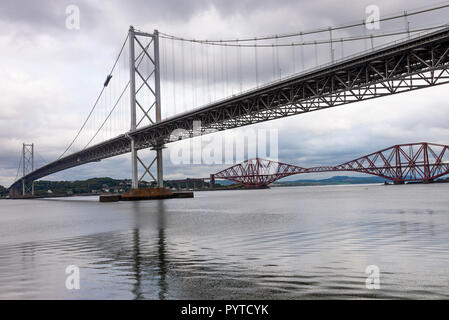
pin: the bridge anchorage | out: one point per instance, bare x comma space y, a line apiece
414, 162
419, 61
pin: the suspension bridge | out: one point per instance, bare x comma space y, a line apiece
239, 82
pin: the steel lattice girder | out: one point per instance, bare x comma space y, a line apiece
406, 162
413, 64
258, 172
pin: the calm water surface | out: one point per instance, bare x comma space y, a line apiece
279, 243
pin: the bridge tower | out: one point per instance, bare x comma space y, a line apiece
27, 167
147, 82
212, 181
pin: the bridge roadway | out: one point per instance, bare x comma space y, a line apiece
416, 63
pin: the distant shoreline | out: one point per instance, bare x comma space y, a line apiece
67, 186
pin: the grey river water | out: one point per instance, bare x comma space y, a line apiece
279, 243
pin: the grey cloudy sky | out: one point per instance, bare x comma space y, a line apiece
50, 77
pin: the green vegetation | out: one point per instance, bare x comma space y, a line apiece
98, 186
95, 185
3, 191
109, 185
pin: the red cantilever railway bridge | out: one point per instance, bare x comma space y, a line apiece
400, 163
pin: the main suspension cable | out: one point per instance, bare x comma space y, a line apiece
109, 115
18, 169
316, 42
96, 101
320, 30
